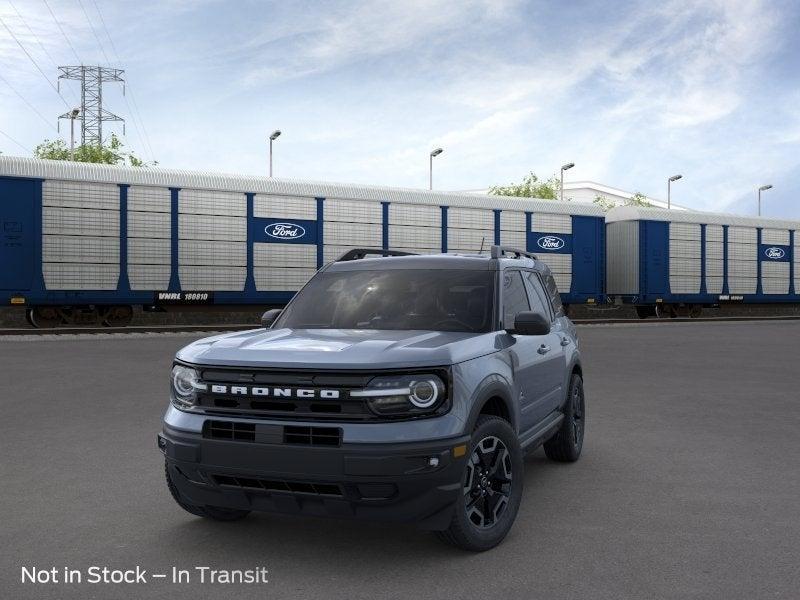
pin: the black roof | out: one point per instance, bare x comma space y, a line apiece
431, 261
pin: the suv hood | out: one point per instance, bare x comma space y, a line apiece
339, 348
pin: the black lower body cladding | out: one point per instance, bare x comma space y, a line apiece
399, 482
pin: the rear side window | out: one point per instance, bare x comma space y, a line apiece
539, 300
552, 291
515, 299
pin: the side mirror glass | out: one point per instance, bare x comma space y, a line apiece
269, 317
531, 323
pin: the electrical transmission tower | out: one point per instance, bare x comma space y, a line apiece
92, 113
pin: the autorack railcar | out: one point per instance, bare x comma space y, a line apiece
87, 242
675, 263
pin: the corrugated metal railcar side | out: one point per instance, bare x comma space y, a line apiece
97, 235
681, 261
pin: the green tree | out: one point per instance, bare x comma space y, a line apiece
531, 187
110, 153
638, 199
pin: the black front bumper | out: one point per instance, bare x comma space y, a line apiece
388, 482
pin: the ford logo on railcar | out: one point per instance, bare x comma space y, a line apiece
775, 253
550, 242
285, 231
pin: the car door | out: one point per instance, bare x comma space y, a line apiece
528, 354
554, 360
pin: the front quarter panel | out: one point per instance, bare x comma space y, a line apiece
475, 381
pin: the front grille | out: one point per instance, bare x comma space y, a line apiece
284, 404
272, 485
263, 433
312, 436
290, 395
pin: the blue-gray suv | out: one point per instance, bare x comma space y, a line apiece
393, 386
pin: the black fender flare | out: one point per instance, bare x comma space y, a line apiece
491, 387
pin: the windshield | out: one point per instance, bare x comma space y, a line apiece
435, 300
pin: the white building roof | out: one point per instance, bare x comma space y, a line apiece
157, 176
636, 213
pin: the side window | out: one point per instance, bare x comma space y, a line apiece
539, 300
552, 291
515, 299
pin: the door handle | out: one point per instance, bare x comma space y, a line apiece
543, 349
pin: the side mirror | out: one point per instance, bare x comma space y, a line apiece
531, 323
269, 317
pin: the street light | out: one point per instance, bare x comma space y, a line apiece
272, 138
763, 188
669, 189
435, 152
73, 114
565, 167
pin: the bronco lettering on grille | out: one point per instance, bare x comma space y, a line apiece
274, 392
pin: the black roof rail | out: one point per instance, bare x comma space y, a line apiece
359, 253
500, 251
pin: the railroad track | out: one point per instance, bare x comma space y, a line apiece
91, 330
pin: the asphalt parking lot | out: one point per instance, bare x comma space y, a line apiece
688, 486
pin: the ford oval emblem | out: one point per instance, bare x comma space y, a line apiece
550, 242
775, 253
285, 231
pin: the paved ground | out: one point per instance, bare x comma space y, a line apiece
688, 487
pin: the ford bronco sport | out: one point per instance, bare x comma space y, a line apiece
402, 388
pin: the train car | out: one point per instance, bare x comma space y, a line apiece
675, 263
86, 242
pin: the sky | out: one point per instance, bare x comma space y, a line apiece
631, 92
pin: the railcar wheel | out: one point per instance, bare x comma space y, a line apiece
645, 311
118, 316
44, 317
663, 311
696, 311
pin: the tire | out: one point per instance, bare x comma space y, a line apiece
208, 512
498, 494
567, 443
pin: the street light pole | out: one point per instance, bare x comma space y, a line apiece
564, 168
763, 188
669, 189
272, 138
435, 152
72, 116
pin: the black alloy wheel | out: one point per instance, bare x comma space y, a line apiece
487, 485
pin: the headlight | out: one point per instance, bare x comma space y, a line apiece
185, 385
404, 395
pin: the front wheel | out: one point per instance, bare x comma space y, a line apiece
567, 443
491, 488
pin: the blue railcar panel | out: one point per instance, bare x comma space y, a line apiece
654, 258
124, 285
250, 280
19, 232
588, 248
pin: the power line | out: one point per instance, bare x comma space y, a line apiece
16, 142
35, 64
96, 37
38, 41
135, 114
63, 33
31, 106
